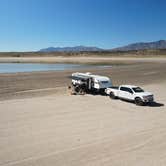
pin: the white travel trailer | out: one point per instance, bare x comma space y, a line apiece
92, 83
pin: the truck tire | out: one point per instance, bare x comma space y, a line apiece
138, 101
112, 95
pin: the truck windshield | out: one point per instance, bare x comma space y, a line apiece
138, 89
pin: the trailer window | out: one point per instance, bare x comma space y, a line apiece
79, 78
105, 82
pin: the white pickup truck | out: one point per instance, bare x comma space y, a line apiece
131, 93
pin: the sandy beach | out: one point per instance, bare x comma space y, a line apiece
42, 124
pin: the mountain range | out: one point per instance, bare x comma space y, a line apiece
161, 44
70, 49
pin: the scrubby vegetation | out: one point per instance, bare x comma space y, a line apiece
135, 53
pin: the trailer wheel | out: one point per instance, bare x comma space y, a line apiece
112, 95
138, 101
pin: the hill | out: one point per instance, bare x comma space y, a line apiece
161, 44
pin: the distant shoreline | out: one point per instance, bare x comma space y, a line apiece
84, 60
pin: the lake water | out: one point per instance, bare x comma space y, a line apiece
30, 67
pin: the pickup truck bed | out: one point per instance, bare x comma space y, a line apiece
115, 87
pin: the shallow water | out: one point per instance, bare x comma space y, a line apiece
30, 67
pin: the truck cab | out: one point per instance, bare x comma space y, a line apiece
131, 93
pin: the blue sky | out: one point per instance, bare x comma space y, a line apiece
28, 25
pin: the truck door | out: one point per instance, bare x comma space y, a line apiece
126, 93
129, 94
122, 92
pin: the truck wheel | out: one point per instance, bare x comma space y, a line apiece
112, 95
138, 101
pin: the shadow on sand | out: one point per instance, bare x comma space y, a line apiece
152, 104
155, 104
